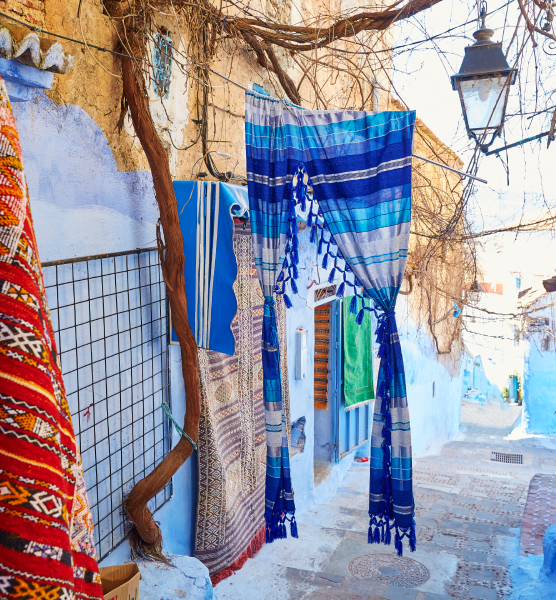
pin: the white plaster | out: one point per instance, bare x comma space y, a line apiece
186, 577
170, 116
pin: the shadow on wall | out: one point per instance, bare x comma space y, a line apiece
81, 203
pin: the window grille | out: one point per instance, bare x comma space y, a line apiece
162, 72
325, 292
109, 314
538, 324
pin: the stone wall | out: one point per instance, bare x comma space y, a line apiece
29, 11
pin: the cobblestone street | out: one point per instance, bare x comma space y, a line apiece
469, 509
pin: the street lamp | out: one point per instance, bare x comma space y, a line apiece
483, 84
474, 293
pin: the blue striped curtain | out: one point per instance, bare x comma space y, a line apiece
359, 165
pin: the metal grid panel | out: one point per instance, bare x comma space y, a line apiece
110, 317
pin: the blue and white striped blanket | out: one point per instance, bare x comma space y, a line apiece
359, 165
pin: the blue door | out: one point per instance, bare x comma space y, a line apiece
350, 428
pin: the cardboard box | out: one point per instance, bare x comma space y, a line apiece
120, 582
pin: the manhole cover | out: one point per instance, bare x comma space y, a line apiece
389, 569
503, 457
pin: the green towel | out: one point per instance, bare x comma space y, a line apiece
358, 356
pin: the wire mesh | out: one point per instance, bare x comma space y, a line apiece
110, 317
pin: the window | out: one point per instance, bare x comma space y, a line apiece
516, 336
545, 345
539, 324
433, 388
162, 72
518, 282
325, 293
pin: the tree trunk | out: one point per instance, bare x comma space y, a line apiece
172, 262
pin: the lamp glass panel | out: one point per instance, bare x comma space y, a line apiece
480, 98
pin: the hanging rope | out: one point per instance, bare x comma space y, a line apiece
166, 409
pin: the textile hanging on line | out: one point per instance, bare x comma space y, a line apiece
231, 444
207, 210
359, 166
46, 530
357, 356
268, 213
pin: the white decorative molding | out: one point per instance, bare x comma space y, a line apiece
28, 52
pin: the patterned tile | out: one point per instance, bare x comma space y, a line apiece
540, 512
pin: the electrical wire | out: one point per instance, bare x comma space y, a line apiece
63, 37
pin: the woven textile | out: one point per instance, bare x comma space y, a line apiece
231, 445
357, 357
359, 166
47, 548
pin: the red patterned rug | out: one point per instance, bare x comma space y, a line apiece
47, 549
539, 513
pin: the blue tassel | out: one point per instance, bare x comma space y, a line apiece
287, 301
370, 535
319, 251
295, 241
413, 538
388, 536
359, 318
313, 234
388, 421
325, 261
376, 538
295, 272
398, 543
353, 305
332, 275
341, 290
382, 534
412, 541
310, 219
293, 528
294, 286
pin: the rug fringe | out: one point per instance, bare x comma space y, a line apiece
256, 544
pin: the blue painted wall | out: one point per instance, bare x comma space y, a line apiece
432, 418
539, 376
82, 205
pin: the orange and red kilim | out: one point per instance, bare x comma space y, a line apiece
47, 549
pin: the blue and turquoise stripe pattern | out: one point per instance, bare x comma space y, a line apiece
359, 165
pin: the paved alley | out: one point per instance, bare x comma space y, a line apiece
469, 509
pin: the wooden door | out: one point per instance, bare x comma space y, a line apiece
322, 346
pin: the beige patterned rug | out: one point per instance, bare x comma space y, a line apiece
232, 438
